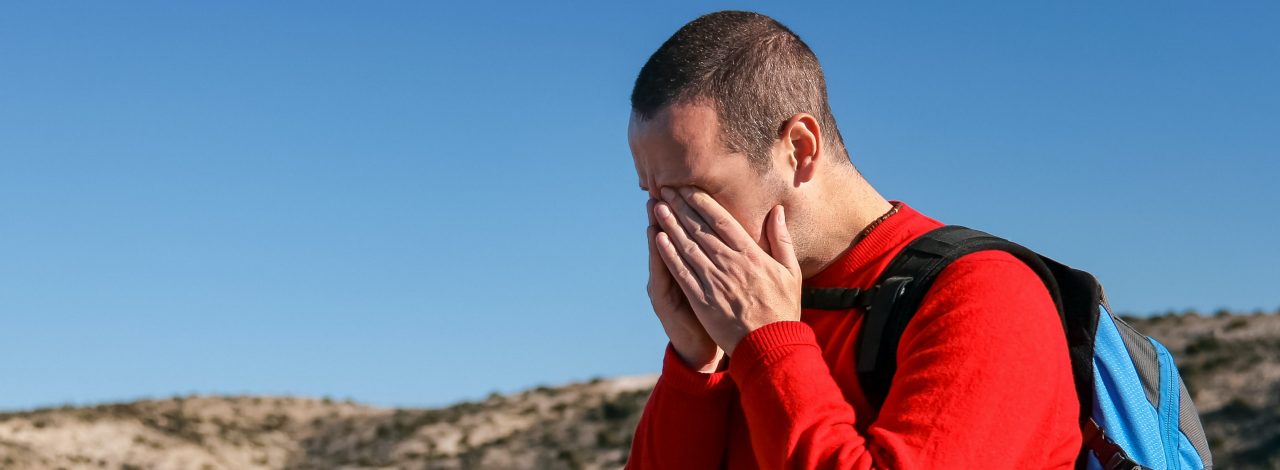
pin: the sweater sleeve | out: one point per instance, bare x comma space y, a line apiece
983, 381
685, 421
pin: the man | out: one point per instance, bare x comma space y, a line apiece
752, 197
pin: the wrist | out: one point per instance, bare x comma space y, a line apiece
721, 364
715, 364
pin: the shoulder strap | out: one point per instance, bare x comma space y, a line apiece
892, 302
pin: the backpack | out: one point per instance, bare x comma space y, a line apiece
1135, 412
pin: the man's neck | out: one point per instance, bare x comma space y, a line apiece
846, 206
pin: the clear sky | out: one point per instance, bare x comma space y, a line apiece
416, 203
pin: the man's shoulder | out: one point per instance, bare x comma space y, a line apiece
988, 273
992, 290
991, 300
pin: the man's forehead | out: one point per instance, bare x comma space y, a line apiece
675, 146
689, 124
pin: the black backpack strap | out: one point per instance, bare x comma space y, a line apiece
893, 301
835, 298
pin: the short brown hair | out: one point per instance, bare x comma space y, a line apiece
755, 72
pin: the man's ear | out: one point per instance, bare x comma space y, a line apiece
802, 142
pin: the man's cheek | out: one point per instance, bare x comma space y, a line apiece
754, 226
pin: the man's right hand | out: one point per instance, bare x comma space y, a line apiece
688, 337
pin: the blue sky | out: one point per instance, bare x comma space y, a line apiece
413, 204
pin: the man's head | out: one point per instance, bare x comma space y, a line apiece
736, 104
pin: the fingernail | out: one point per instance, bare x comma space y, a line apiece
662, 210
667, 193
685, 191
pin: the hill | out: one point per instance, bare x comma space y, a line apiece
1231, 364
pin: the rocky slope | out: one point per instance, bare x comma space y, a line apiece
576, 426
1231, 363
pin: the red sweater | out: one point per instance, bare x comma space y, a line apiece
983, 380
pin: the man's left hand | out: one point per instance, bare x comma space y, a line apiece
733, 285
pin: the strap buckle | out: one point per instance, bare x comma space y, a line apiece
877, 319
1108, 453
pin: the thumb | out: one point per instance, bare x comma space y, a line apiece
780, 246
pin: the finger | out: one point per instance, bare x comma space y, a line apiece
660, 280
727, 228
695, 225
684, 277
650, 231
780, 246
648, 211
692, 254
657, 270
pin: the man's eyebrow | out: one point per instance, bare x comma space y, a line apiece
677, 185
